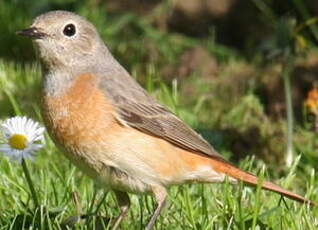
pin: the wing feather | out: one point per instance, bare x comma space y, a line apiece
141, 111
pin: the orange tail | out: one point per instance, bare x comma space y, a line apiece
251, 179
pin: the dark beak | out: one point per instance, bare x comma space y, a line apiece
31, 32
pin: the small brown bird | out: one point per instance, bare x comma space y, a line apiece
111, 128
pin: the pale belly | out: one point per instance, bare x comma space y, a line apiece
104, 173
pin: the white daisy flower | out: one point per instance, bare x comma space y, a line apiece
22, 137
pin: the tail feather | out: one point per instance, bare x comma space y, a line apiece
251, 179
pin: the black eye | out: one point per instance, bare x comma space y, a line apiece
69, 30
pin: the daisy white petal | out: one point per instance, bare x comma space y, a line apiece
5, 148
21, 135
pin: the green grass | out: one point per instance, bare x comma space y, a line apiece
209, 206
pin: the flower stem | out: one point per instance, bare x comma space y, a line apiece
30, 183
287, 67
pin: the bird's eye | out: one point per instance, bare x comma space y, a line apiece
69, 30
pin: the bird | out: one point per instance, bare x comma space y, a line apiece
108, 125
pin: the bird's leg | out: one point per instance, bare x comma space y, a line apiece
160, 195
124, 204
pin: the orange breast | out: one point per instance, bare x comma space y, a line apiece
75, 118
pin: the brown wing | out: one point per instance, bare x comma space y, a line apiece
141, 111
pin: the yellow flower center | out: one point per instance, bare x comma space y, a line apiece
18, 141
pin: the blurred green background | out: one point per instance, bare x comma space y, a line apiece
224, 58
226, 67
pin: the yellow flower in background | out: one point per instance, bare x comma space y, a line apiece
312, 101
22, 137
